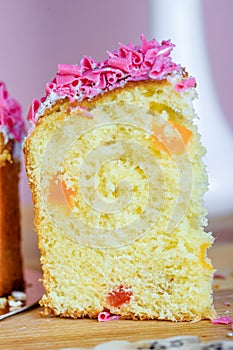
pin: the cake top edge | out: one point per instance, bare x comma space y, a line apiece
149, 61
11, 119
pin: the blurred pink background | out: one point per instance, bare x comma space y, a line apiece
36, 35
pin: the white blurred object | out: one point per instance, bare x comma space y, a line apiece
182, 22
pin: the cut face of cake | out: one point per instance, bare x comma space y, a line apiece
11, 131
114, 162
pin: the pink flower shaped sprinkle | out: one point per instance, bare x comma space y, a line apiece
33, 109
185, 84
149, 58
105, 316
162, 67
147, 45
87, 63
222, 320
123, 63
219, 276
51, 87
226, 303
62, 80
70, 69
136, 56
166, 48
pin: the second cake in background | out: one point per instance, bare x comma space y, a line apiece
11, 133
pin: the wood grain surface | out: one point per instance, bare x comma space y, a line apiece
29, 330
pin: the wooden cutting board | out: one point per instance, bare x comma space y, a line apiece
30, 331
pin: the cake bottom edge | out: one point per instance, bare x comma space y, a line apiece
50, 311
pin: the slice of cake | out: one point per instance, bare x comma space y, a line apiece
11, 131
115, 167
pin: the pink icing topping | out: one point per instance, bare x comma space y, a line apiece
10, 114
151, 60
106, 316
222, 320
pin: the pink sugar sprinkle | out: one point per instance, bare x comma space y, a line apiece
105, 316
123, 63
219, 276
222, 320
185, 84
70, 69
33, 109
226, 303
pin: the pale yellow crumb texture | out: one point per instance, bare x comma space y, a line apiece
166, 267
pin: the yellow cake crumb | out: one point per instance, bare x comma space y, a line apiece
128, 211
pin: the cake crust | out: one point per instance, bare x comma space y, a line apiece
11, 133
11, 271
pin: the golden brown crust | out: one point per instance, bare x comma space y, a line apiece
63, 102
49, 311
